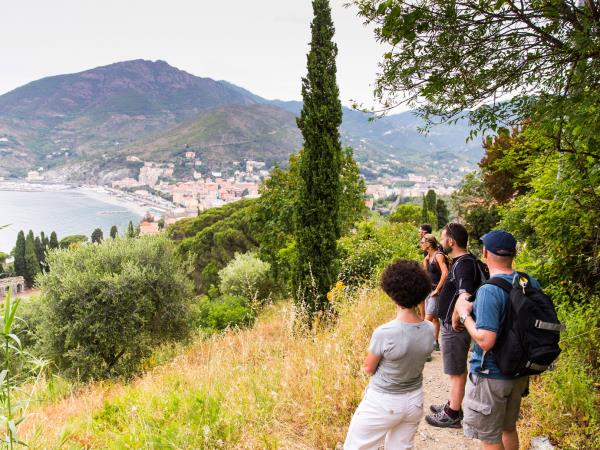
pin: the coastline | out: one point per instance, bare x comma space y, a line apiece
102, 195
97, 193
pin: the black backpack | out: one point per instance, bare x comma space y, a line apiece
527, 341
481, 272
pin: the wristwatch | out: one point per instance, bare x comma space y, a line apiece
462, 318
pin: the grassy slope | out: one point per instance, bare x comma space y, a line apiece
259, 388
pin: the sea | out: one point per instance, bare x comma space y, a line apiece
67, 212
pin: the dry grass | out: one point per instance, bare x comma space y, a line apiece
265, 387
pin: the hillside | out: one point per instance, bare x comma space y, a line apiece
80, 116
227, 133
79, 127
264, 387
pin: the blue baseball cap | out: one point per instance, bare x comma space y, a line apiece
500, 242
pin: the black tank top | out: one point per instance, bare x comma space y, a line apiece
434, 271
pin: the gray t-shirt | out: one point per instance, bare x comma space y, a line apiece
404, 348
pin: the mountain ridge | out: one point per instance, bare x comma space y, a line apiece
83, 119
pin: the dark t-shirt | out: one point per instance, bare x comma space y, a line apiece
462, 276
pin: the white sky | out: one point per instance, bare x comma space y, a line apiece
260, 45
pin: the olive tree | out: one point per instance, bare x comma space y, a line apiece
107, 305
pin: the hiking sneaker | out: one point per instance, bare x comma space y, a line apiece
436, 409
428, 359
436, 346
443, 420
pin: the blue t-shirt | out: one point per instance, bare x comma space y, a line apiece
488, 311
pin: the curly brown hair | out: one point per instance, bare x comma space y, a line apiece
406, 283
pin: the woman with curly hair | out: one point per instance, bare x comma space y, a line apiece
392, 405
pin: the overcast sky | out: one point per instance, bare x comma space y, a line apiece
260, 45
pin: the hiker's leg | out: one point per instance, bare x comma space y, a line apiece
369, 424
455, 347
457, 390
402, 435
510, 439
492, 446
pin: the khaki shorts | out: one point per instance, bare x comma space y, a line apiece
491, 406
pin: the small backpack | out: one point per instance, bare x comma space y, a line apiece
527, 341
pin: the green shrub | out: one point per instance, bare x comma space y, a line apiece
407, 213
564, 403
372, 247
246, 276
225, 311
73, 240
106, 306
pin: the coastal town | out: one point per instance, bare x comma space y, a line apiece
158, 194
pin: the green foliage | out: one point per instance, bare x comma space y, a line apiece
407, 213
372, 247
114, 232
97, 236
447, 57
275, 209
316, 213
19, 264
74, 240
15, 364
105, 306
246, 276
40, 251
504, 165
131, 231
568, 391
558, 219
214, 237
429, 209
474, 207
224, 312
442, 213
32, 266
53, 243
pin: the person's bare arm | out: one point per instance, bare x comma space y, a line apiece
371, 363
444, 269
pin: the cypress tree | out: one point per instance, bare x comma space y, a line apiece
19, 263
316, 214
442, 213
130, 233
32, 265
53, 240
40, 251
44, 239
429, 211
113, 232
97, 236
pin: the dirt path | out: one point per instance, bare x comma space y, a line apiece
436, 387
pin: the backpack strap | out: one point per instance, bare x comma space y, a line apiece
499, 282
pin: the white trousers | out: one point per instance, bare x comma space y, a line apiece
390, 417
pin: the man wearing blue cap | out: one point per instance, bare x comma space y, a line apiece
492, 399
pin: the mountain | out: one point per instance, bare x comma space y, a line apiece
227, 133
80, 127
96, 111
